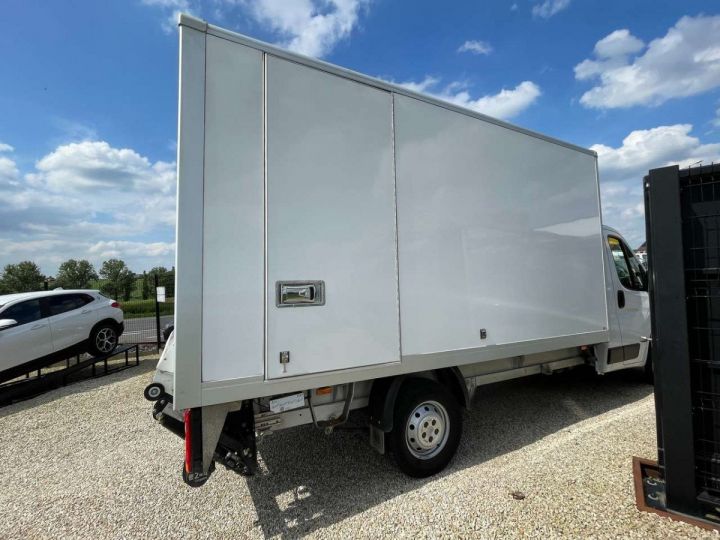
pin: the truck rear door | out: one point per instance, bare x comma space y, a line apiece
332, 293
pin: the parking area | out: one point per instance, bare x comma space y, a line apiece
540, 457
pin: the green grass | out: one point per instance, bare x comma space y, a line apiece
134, 309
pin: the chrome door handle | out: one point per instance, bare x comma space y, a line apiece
300, 293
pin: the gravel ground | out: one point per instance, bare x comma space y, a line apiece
88, 461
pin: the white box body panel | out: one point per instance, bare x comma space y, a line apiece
497, 230
233, 229
330, 217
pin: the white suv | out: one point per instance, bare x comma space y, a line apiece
37, 328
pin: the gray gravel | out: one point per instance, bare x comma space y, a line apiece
88, 461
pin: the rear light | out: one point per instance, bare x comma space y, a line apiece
114, 304
188, 440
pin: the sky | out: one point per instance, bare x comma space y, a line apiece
88, 97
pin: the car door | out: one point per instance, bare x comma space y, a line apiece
29, 339
71, 319
631, 302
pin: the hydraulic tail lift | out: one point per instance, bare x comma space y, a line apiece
236, 447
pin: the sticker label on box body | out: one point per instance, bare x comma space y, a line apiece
287, 403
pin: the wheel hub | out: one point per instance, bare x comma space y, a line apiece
106, 340
427, 429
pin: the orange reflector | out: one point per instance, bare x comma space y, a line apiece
325, 390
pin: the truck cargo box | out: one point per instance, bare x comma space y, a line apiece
334, 227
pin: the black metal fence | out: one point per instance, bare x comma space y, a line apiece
145, 319
683, 226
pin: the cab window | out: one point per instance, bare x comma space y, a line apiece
23, 312
632, 276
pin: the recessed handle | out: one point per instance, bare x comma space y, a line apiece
300, 293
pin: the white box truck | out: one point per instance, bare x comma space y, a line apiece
343, 242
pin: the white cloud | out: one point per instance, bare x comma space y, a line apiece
505, 104
307, 26
6, 147
310, 27
88, 200
423, 86
618, 43
123, 248
95, 165
173, 8
649, 148
8, 172
684, 62
476, 47
622, 169
549, 8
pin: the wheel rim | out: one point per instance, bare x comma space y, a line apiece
427, 429
105, 340
154, 392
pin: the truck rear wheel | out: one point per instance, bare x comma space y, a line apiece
427, 428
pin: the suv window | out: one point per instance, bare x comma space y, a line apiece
67, 302
24, 312
632, 275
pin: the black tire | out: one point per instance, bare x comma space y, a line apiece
432, 402
649, 370
167, 331
103, 339
154, 391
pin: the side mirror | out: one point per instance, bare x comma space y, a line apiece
7, 323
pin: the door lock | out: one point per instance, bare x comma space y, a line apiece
284, 360
300, 293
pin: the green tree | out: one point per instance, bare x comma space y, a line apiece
146, 290
73, 274
166, 278
22, 277
119, 280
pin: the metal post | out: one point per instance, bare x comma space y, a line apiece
157, 313
670, 355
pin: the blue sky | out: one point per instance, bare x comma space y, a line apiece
88, 97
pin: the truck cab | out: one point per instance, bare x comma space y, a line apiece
626, 283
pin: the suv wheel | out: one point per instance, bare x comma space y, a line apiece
103, 339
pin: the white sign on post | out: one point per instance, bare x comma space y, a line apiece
161, 294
